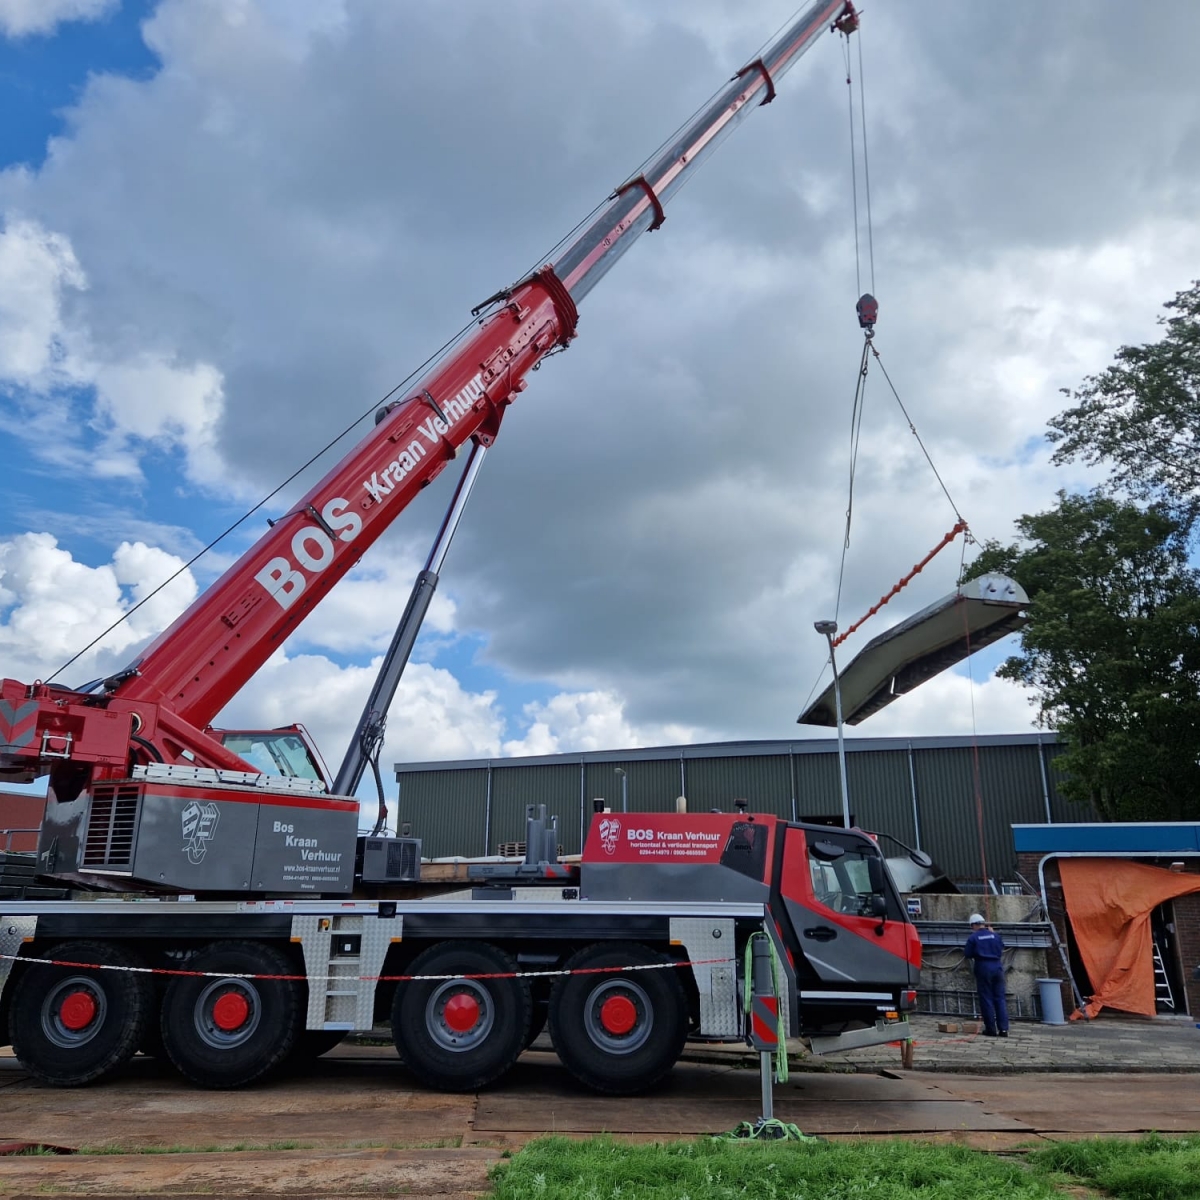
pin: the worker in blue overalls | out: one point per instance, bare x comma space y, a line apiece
984, 950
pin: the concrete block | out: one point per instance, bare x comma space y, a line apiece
947, 1027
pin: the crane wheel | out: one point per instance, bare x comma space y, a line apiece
460, 1034
618, 1032
225, 1031
72, 1025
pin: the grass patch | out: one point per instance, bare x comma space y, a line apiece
601, 1169
1152, 1168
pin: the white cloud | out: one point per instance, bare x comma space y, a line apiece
51, 606
360, 615
36, 266
432, 716
58, 379
21, 17
588, 721
952, 705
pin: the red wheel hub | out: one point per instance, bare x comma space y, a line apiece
618, 1014
77, 1011
230, 1011
462, 1012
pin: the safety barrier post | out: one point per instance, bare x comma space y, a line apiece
764, 1020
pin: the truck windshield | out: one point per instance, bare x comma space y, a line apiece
275, 754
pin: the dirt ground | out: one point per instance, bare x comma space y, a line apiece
356, 1124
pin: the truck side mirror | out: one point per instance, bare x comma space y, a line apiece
876, 875
879, 908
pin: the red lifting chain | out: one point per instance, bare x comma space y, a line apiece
959, 527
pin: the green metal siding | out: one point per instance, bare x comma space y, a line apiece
953, 809
513, 788
446, 809
1063, 810
651, 786
1011, 790
818, 785
946, 802
880, 793
765, 781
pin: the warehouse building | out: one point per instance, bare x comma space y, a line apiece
957, 798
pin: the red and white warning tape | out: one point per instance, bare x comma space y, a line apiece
172, 971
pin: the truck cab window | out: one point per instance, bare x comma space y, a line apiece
843, 884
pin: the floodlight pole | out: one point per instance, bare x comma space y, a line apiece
624, 788
829, 628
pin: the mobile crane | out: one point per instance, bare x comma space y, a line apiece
222, 908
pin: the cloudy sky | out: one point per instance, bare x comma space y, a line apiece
228, 226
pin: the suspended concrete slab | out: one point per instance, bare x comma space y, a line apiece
905, 656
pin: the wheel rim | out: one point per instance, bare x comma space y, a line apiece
459, 1015
74, 1011
227, 1013
618, 1016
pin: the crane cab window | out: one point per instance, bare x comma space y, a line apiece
275, 754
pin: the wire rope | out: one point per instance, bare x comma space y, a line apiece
846, 58
856, 415
913, 430
862, 113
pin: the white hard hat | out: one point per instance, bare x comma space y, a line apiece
977, 919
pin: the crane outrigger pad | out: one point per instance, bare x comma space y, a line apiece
980, 612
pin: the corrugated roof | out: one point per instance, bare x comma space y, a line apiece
747, 749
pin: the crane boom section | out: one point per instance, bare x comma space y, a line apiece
637, 206
199, 664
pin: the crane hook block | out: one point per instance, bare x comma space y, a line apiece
847, 20
868, 312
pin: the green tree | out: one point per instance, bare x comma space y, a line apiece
1141, 417
1112, 650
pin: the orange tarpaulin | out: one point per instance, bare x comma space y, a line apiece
1109, 902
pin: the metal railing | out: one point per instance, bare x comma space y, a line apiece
951, 1003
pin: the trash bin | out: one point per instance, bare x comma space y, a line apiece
1050, 994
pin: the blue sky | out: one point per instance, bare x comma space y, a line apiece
226, 226
42, 77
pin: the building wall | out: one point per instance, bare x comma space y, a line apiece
1187, 930
20, 811
953, 797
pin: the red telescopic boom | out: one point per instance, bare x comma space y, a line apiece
189, 673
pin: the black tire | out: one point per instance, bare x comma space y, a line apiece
618, 1032
225, 1032
537, 1022
458, 1035
151, 1044
76, 1025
